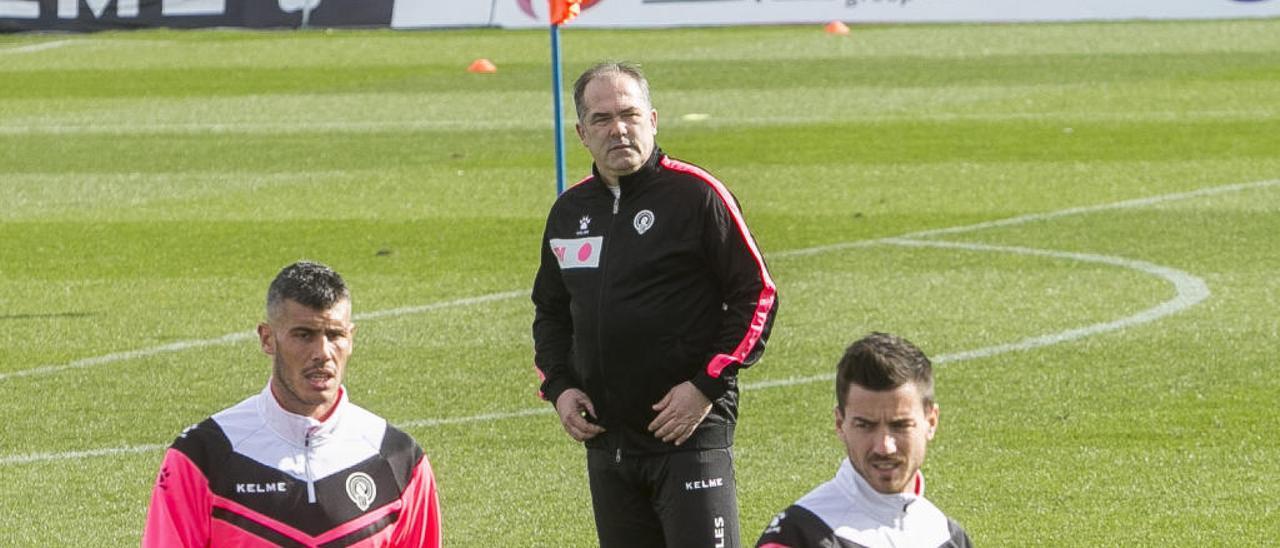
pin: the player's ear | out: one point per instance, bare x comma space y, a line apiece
266, 339
582, 135
932, 417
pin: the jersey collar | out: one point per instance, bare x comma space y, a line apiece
876, 503
297, 429
643, 175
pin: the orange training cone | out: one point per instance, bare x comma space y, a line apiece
482, 66
836, 27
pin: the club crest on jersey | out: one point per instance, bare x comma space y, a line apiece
577, 252
584, 225
643, 221
361, 489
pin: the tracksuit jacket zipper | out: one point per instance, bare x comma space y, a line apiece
604, 266
306, 459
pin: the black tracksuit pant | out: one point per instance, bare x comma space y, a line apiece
677, 499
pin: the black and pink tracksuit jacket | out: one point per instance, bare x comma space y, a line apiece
639, 292
258, 475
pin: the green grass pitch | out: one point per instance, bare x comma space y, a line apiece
1105, 310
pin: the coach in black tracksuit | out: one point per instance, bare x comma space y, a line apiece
650, 296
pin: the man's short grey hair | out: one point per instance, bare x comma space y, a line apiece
609, 67
307, 283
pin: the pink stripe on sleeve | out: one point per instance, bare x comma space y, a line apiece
764, 303
542, 377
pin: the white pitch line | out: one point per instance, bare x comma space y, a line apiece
1021, 219
1126, 204
1190, 291
108, 452
263, 128
408, 310
244, 336
1033, 217
29, 127
41, 46
428, 423
130, 355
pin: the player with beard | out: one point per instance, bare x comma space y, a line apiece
885, 415
297, 464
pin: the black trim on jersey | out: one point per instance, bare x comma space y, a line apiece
255, 528
959, 538
204, 444
392, 469
333, 506
266, 533
797, 527
365, 532
402, 453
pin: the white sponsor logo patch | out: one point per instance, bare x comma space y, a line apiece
703, 484
578, 252
643, 221
361, 489
254, 488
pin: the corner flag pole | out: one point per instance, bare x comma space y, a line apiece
559, 106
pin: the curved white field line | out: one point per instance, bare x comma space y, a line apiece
1190, 290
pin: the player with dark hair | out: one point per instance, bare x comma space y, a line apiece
297, 464
650, 297
885, 416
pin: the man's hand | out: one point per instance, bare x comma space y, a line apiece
679, 413
570, 405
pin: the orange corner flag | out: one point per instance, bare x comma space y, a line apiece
563, 11
482, 66
836, 27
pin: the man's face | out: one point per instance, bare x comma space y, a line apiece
309, 350
618, 125
885, 434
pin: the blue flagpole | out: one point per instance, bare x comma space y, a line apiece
559, 108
